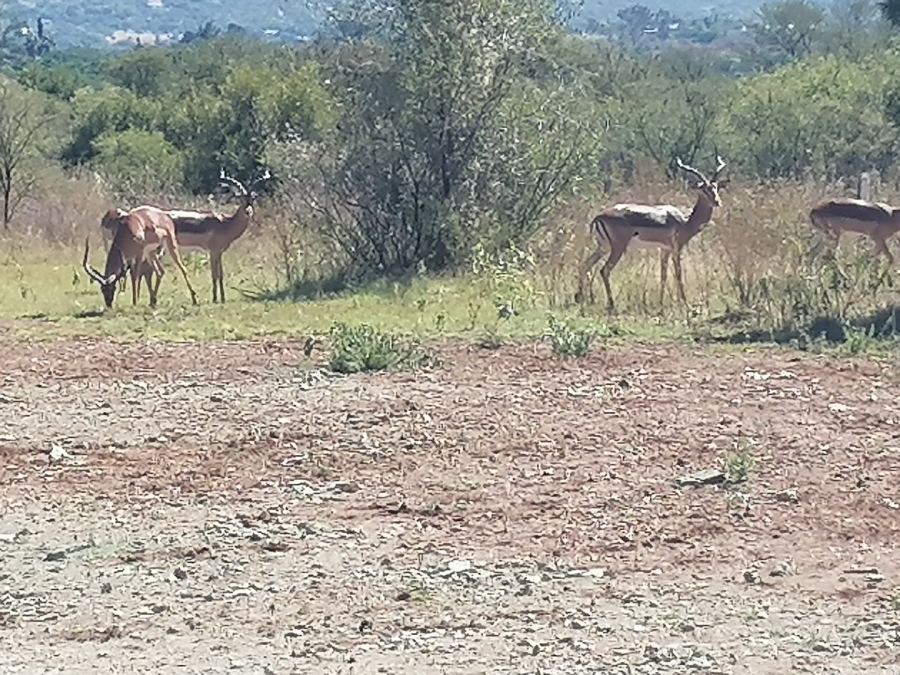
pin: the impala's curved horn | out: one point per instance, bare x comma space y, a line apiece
720, 164
267, 176
690, 169
228, 181
93, 274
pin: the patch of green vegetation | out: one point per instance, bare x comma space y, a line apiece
48, 296
362, 348
568, 339
740, 463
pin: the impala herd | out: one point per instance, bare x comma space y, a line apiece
139, 236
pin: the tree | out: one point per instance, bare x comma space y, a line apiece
676, 106
19, 43
23, 123
841, 129
790, 26
204, 31
143, 71
135, 160
890, 10
441, 129
856, 27
638, 21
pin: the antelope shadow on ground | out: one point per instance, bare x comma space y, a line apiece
330, 286
882, 324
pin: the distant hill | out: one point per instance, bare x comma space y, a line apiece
605, 10
95, 23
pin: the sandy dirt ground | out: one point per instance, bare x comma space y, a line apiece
232, 507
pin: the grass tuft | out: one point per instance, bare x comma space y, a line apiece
569, 340
356, 349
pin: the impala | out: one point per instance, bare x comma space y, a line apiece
137, 235
107, 228
214, 232
877, 221
661, 226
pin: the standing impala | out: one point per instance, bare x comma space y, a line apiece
215, 232
662, 226
138, 234
877, 221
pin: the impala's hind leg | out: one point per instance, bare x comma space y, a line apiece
157, 268
827, 237
882, 248
614, 256
172, 248
586, 267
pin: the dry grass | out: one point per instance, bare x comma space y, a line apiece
751, 262
753, 259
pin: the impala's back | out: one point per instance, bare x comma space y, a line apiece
195, 229
854, 215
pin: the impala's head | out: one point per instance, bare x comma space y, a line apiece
708, 187
247, 194
108, 282
112, 218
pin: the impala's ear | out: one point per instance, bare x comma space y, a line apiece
724, 183
111, 216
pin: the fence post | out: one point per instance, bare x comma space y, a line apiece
868, 185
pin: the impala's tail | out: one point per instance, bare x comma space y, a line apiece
598, 229
815, 219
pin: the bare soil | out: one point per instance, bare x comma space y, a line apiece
216, 507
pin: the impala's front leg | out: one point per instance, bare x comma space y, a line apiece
215, 264
664, 256
136, 279
676, 263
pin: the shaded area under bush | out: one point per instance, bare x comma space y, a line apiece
881, 324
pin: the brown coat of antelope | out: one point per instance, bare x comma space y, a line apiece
138, 234
661, 226
107, 229
877, 221
214, 232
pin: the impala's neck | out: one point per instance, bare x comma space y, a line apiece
115, 261
700, 216
240, 220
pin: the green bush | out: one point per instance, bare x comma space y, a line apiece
136, 159
567, 339
823, 114
362, 348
